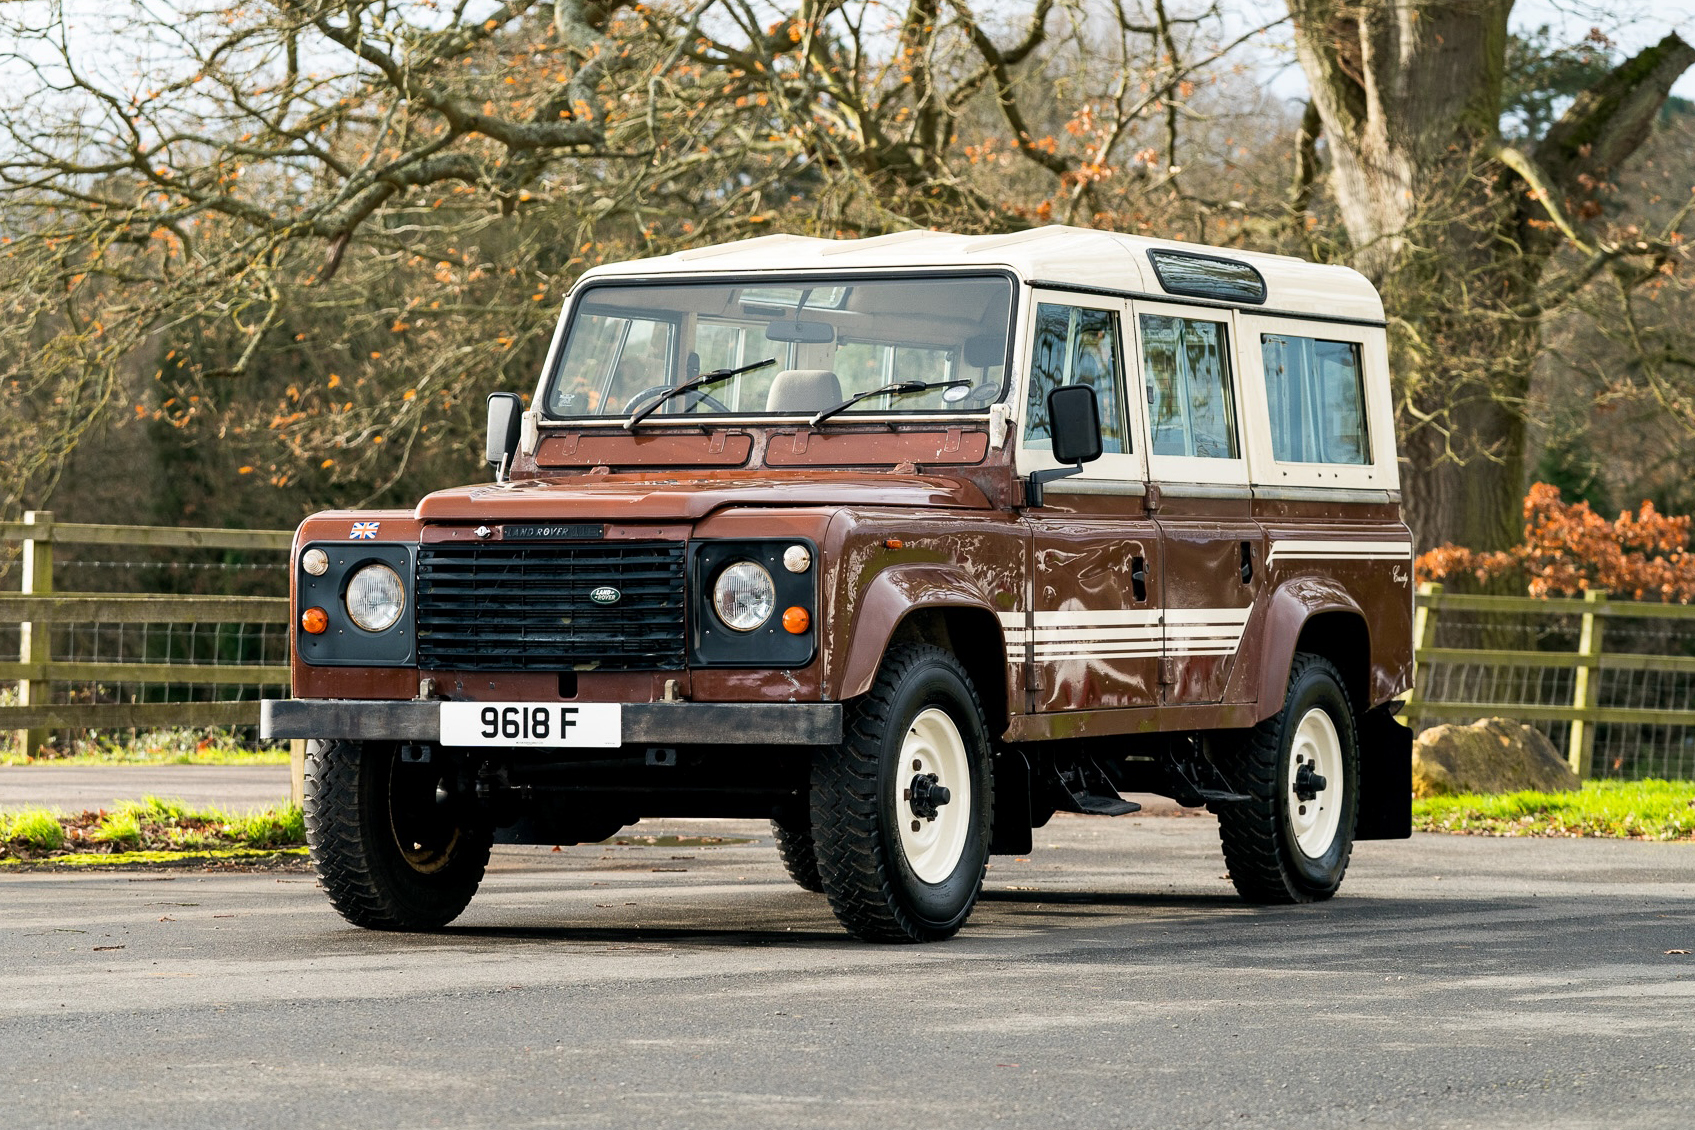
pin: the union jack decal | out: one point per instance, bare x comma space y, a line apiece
364, 531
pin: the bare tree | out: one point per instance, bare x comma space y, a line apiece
324, 225
1471, 239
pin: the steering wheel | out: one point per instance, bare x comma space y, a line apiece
655, 390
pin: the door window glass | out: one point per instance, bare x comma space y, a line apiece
609, 359
1316, 393
1074, 345
1190, 411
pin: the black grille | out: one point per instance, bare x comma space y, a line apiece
527, 608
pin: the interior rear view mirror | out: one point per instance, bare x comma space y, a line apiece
804, 333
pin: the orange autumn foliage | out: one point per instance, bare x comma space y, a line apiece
1569, 549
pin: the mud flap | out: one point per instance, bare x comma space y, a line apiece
1385, 811
1011, 832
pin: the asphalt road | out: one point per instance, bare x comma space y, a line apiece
1113, 980
73, 788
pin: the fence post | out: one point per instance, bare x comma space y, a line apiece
1424, 635
33, 639
297, 772
1586, 691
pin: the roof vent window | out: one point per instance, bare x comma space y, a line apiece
1208, 276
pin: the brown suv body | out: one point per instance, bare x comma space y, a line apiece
1132, 624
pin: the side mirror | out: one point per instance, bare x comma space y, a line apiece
1074, 421
1074, 416
505, 418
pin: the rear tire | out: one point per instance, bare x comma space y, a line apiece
388, 855
898, 862
799, 853
1287, 843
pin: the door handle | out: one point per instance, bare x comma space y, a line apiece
1247, 562
1139, 578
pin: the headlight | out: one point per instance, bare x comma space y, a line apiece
375, 598
744, 596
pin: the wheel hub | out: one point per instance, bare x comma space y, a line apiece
1314, 779
933, 820
926, 796
1308, 784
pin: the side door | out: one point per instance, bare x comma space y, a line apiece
1092, 630
1212, 551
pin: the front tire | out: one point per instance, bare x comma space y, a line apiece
388, 854
1291, 842
901, 809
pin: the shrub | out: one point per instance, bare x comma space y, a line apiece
1569, 549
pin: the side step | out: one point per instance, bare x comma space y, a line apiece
1086, 786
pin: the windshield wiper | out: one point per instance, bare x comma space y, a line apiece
701, 381
899, 388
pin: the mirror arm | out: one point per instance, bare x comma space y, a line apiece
1033, 484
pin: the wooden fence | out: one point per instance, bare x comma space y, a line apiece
38, 606
1584, 712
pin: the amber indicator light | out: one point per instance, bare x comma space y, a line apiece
796, 620
894, 543
314, 621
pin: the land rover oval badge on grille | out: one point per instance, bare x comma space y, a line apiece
605, 594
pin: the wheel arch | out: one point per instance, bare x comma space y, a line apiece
1334, 628
928, 603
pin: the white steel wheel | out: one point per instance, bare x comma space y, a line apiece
1313, 783
1290, 835
901, 807
933, 788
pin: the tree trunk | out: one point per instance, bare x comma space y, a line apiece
1456, 232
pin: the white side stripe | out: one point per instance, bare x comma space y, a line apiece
1073, 636
1296, 549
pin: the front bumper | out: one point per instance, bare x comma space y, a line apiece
644, 723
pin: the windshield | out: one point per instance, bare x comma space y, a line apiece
828, 339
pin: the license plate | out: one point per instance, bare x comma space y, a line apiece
588, 724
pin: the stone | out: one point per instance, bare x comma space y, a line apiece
1496, 755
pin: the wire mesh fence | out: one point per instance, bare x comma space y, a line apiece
105, 664
1622, 750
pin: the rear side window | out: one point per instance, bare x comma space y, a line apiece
1187, 377
1316, 393
1075, 345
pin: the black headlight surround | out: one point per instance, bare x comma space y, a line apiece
344, 643
714, 644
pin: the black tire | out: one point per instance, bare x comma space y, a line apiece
1262, 835
860, 789
388, 855
799, 853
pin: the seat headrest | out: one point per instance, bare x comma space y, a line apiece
803, 390
984, 350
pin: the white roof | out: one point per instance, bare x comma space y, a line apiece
1075, 256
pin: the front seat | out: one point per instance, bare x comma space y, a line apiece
803, 390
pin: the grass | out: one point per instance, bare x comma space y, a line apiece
148, 830
35, 829
1637, 810
152, 747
